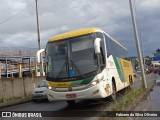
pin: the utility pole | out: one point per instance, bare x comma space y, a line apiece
138, 45
39, 41
38, 33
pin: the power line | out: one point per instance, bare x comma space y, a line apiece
16, 14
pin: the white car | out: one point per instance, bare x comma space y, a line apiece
135, 74
40, 92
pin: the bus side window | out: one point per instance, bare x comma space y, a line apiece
102, 49
102, 58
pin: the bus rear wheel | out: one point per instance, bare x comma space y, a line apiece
130, 83
130, 80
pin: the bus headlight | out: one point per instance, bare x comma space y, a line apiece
50, 87
96, 81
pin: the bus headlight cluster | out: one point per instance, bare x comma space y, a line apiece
93, 83
50, 87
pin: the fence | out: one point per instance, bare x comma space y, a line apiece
17, 61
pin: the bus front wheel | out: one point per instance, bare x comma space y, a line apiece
113, 96
71, 102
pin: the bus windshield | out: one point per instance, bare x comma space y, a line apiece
74, 54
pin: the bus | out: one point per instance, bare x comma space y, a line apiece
86, 64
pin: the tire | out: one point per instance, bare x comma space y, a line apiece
71, 102
113, 96
130, 80
34, 100
130, 83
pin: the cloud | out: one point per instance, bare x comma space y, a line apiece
58, 16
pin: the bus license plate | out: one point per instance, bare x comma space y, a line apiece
71, 95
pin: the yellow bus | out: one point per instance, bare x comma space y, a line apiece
86, 64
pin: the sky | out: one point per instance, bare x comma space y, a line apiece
18, 21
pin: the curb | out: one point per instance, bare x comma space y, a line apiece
16, 102
140, 98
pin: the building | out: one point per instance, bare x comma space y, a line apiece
156, 58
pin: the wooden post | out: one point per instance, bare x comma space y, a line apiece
6, 69
20, 70
0, 70
12, 75
36, 70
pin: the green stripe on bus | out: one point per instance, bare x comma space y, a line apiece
82, 82
78, 82
119, 68
87, 80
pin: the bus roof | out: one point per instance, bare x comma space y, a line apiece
74, 33
78, 33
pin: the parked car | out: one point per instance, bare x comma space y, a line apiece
135, 74
138, 71
158, 82
40, 92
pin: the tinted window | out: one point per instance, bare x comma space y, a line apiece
43, 84
114, 49
102, 45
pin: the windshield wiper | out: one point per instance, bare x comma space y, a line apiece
75, 66
64, 65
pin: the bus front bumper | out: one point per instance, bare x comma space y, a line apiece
97, 91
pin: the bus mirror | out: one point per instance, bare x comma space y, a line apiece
40, 55
97, 45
